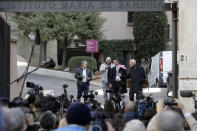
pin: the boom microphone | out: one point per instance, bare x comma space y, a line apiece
186, 93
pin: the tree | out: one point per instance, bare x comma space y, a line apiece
150, 33
63, 27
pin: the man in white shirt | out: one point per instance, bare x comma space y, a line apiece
83, 76
105, 68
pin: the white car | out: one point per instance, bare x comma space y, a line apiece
159, 67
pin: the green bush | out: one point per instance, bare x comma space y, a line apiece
112, 47
75, 62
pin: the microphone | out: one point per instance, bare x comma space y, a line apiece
37, 39
186, 93
49, 64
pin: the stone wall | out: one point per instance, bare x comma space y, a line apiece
187, 45
24, 44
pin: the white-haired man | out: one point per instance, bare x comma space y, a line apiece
134, 125
105, 69
137, 77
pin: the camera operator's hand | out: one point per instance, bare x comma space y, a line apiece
82, 100
180, 105
119, 74
107, 66
159, 105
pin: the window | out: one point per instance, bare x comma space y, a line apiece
130, 18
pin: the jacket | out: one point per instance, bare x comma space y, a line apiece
105, 72
137, 77
79, 74
120, 86
71, 128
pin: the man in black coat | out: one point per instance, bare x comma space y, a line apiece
118, 77
137, 77
83, 76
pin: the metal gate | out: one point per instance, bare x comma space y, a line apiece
4, 59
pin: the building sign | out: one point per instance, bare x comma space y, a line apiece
92, 46
80, 5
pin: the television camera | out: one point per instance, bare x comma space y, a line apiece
115, 99
90, 99
49, 102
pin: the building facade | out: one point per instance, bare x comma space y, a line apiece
187, 46
119, 26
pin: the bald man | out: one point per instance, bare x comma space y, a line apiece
137, 77
130, 111
105, 69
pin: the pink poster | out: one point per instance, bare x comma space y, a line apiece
92, 46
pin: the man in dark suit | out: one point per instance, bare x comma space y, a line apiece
137, 77
118, 77
83, 76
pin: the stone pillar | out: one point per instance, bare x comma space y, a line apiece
187, 45
14, 89
51, 50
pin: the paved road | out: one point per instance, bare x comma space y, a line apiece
53, 85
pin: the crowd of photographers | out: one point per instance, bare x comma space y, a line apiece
20, 115
36, 112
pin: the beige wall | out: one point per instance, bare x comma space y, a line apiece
188, 47
115, 26
13, 70
3, 15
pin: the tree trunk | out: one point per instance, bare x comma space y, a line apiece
64, 53
42, 52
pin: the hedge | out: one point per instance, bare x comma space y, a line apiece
75, 62
111, 47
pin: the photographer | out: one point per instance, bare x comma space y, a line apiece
105, 69
83, 76
78, 118
168, 119
36, 106
47, 121
130, 112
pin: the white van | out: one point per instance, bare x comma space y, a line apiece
159, 67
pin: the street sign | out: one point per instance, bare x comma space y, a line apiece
92, 46
80, 5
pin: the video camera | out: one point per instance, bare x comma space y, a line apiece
170, 102
35, 88
98, 124
91, 96
90, 100
143, 104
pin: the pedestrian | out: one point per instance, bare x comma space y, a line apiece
105, 68
118, 77
137, 77
83, 76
